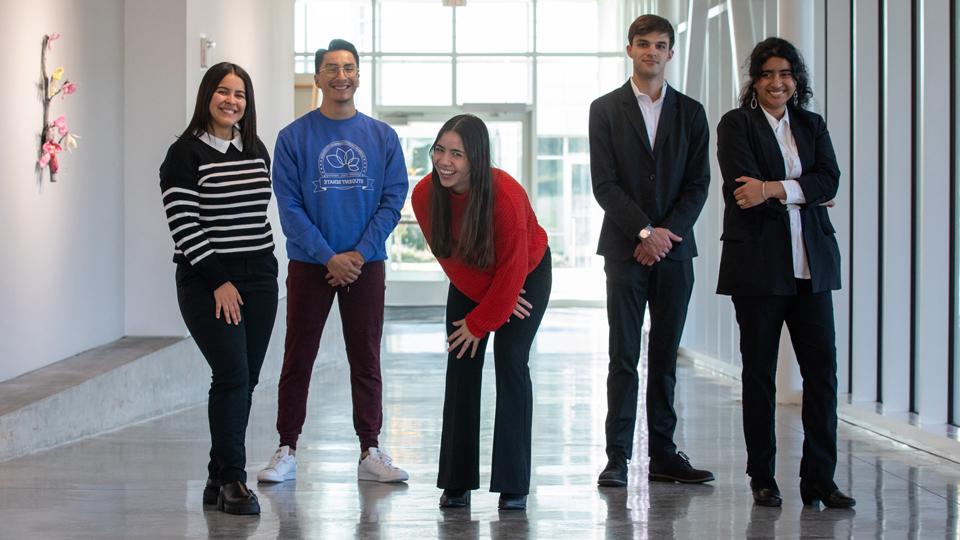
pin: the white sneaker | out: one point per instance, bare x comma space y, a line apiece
378, 467
282, 466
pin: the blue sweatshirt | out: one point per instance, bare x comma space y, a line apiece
340, 185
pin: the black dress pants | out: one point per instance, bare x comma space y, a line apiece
460, 438
235, 353
666, 287
809, 317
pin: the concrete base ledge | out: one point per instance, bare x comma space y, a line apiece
930, 439
130, 380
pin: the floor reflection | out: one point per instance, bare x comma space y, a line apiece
145, 481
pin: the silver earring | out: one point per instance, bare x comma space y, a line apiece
753, 100
796, 99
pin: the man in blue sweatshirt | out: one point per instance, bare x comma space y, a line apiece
340, 181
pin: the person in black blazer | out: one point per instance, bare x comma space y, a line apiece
650, 169
780, 262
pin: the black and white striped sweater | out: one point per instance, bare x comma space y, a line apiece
216, 204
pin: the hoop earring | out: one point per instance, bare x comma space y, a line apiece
753, 100
796, 99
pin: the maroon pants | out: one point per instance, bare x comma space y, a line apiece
309, 299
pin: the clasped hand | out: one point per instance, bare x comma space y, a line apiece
655, 247
344, 268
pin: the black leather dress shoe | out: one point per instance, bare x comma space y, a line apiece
512, 501
614, 474
210, 492
766, 493
235, 498
829, 495
677, 468
454, 498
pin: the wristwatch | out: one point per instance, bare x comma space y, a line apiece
646, 232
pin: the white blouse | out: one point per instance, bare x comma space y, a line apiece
795, 197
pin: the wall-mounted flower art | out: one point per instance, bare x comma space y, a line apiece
55, 136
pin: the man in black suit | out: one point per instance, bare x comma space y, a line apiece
648, 159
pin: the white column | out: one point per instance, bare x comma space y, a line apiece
795, 24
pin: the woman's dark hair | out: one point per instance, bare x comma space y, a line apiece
777, 47
475, 245
202, 120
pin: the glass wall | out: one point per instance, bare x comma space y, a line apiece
543, 60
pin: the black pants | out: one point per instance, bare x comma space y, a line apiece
809, 317
235, 352
666, 286
460, 439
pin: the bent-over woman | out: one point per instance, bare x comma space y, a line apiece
479, 224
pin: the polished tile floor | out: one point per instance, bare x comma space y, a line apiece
145, 481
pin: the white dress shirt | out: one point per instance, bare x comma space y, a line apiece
221, 145
795, 197
650, 109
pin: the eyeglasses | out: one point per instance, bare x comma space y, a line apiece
332, 70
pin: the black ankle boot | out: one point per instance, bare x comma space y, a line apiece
211, 492
235, 498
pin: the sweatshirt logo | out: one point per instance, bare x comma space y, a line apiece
343, 165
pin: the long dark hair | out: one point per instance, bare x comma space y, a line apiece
777, 47
475, 245
201, 120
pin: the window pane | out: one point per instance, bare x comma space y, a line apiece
580, 26
415, 81
567, 86
325, 20
549, 146
410, 26
509, 19
493, 80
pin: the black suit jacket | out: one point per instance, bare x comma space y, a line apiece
637, 186
757, 257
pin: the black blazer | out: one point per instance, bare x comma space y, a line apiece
636, 187
757, 257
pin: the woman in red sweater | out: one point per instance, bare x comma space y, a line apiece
479, 224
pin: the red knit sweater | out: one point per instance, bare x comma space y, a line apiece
519, 244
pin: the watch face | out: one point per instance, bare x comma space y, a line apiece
644, 234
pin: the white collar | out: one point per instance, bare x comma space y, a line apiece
221, 145
774, 123
637, 93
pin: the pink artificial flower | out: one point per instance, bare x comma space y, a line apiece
51, 147
54, 165
61, 124
51, 38
44, 160
68, 88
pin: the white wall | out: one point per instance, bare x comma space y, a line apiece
62, 243
88, 259
163, 73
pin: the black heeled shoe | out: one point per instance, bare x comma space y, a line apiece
454, 498
235, 498
211, 492
766, 494
830, 496
512, 501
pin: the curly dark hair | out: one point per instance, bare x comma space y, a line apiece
777, 47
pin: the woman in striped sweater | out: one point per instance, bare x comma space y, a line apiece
479, 223
216, 187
